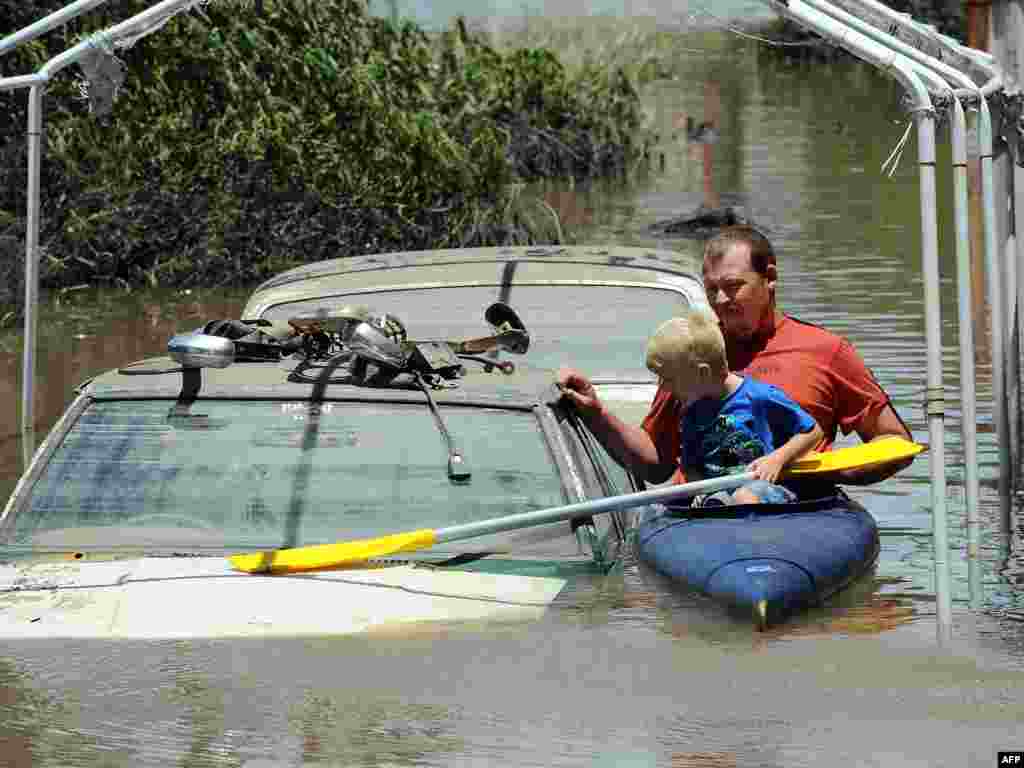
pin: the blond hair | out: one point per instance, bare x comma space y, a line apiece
683, 343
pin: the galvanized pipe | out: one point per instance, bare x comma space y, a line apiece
1011, 361
36, 84
22, 81
889, 61
134, 24
918, 36
995, 299
968, 395
934, 83
35, 128
1001, 412
1018, 287
965, 322
935, 406
45, 24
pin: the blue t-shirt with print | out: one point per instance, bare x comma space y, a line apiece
722, 436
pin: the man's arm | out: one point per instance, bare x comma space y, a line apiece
887, 423
628, 444
877, 423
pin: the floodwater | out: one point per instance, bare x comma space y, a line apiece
623, 671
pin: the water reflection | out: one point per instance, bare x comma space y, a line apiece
22, 709
36, 725
363, 728
646, 687
871, 605
83, 334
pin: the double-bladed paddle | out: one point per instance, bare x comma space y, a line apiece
345, 553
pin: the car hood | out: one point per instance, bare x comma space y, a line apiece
189, 597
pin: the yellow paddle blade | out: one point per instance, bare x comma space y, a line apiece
858, 456
335, 555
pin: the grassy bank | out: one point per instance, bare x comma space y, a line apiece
254, 136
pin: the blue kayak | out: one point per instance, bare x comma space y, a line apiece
767, 561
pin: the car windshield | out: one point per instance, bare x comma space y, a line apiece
271, 474
600, 329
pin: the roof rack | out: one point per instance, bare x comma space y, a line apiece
366, 346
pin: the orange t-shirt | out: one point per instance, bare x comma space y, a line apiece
821, 371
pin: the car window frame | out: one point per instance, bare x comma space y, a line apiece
40, 459
593, 478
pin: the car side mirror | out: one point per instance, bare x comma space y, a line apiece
200, 350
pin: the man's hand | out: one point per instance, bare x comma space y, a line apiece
628, 444
579, 390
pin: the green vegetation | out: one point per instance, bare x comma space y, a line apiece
254, 136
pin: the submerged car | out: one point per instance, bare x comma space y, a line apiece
123, 524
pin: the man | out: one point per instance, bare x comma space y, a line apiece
819, 370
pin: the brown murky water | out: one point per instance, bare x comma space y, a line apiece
627, 672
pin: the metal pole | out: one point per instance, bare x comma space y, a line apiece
934, 401
919, 36
1011, 361
35, 128
44, 25
889, 61
37, 84
1007, 26
1018, 229
22, 81
968, 395
920, 63
1001, 414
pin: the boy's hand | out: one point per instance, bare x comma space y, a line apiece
767, 467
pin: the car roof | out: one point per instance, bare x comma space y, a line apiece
161, 377
516, 265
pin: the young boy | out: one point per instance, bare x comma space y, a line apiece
730, 423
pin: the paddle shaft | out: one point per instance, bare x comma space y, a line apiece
591, 507
321, 556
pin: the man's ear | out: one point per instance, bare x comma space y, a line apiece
771, 274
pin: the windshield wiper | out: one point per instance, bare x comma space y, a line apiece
458, 468
371, 344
